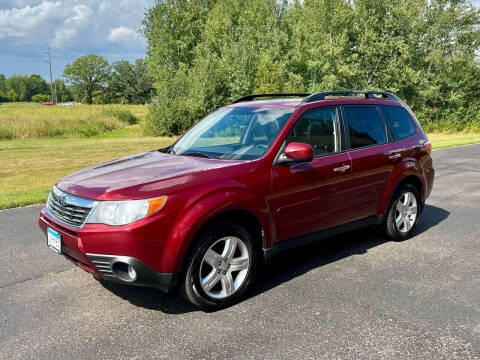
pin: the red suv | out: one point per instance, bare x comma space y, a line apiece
250, 179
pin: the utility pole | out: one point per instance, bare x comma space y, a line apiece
55, 88
51, 79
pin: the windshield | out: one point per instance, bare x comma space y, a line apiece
236, 133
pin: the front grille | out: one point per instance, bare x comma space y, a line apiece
69, 209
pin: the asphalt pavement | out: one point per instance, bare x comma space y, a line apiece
354, 296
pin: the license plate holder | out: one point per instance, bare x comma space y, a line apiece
54, 240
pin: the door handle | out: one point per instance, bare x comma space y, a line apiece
395, 157
341, 169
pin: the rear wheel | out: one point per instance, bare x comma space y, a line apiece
402, 216
221, 267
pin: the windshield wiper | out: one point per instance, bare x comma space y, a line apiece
199, 154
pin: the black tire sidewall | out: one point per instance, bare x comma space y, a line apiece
191, 281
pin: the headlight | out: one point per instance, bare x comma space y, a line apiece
125, 212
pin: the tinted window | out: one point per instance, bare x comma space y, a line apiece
400, 122
317, 128
365, 126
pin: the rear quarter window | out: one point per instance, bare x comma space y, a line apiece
400, 121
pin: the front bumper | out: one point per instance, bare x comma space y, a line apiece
107, 254
116, 268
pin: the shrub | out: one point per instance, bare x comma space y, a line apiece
124, 116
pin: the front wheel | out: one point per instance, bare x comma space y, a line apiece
221, 267
402, 216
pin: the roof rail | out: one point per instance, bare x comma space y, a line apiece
368, 95
251, 97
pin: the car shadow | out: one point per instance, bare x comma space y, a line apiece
150, 298
283, 267
296, 262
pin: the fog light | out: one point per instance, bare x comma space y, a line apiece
124, 271
132, 273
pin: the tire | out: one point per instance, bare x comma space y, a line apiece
219, 279
400, 223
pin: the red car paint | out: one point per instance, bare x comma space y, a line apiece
288, 201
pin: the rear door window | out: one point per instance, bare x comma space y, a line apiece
364, 126
400, 121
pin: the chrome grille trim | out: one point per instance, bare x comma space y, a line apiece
69, 209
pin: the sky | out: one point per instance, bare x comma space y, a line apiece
71, 29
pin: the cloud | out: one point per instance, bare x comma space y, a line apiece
63, 37
72, 28
19, 22
71, 23
81, 14
122, 34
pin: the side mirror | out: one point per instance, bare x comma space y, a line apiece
296, 152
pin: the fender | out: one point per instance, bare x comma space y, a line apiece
201, 210
408, 167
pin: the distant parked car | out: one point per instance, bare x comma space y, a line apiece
48, 103
251, 179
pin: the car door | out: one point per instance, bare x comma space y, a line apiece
308, 197
367, 138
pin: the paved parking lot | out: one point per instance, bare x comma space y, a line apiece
354, 296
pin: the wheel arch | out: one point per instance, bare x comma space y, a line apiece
240, 206
415, 181
409, 178
241, 217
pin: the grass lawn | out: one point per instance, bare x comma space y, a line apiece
445, 140
29, 168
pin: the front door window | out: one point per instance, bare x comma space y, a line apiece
317, 127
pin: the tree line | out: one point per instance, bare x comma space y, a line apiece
90, 79
205, 53
31, 88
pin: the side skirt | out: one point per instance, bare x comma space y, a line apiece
320, 235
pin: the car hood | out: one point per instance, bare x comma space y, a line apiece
106, 180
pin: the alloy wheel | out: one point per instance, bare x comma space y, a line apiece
406, 212
224, 267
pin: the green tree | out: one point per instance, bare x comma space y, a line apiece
35, 84
26, 86
39, 98
216, 64
144, 89
12, 96
61, 91
18, 83
130, 83
88, 74
203, 54
173, 28
2, 82
424, 51
268, 78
